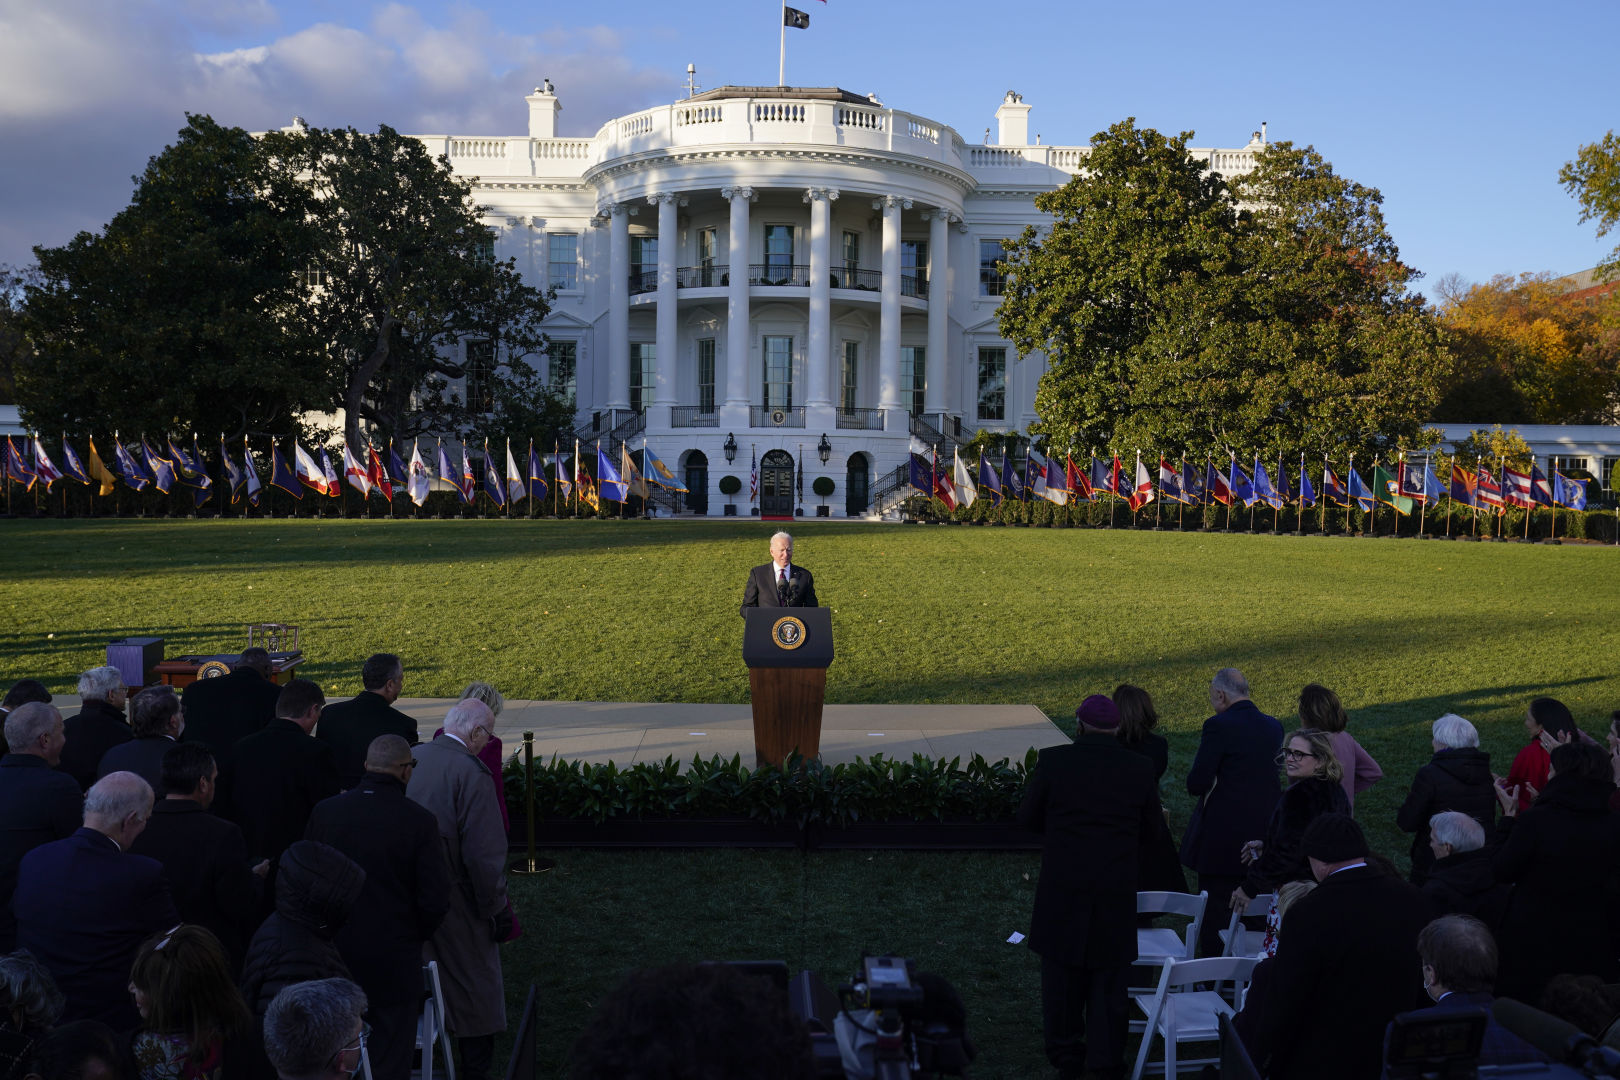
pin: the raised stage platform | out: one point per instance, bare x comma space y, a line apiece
628, 732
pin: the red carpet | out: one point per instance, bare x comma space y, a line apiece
776, 517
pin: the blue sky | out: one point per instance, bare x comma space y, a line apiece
1459, 114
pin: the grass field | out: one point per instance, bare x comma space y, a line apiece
1404, 630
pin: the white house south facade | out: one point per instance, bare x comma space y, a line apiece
801, 274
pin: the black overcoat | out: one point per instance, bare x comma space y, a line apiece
37, 805
1283, 858
1234, 778
1098, 805
1454, 779
95, 729
275, 778
206, 863
221, 712
348, 727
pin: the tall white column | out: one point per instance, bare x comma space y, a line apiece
737, 308
818, 366
618, 307
889, 396
939, 233
668, 250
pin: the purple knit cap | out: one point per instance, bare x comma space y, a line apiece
1099, 712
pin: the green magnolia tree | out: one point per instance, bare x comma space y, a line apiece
1593, 178
406, 276
1180, 313
184, 313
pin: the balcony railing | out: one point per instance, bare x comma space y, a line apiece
913, 284
847, 277
643, 281
860, 419
774, 273
703, 277
776, 416
690, 416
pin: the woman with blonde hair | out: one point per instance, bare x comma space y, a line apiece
1314, 789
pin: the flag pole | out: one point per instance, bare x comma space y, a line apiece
781, 56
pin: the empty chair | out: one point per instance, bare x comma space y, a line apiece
1238, 941
1155, 945
1177, 1012
430, 1028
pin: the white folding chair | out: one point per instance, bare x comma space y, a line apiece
1158, 945
430, 1026
1177, 1013
1238, 941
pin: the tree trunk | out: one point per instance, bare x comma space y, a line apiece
361, 378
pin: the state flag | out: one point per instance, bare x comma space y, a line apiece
1386, 488
1079, 483
417, 484
966, 491
309, 473
1516, 489
989, 483
1568, 491
658, 472
1333, 488
1488, 491
377, 476
1464, 486
494, 487
610, 485
72, 468
537, 475
100, 473
1012, 485
1170, 482
1218, 486
1359, 495
1540, 489
234, 477
44, 467
253, 485
1142, 492
354, 473
333, 488
1192, 484
515, 486
282, 475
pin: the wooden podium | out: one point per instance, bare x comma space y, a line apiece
787, 651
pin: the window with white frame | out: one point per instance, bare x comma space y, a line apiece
913, 376
562, 367
705, 375
312, 276
913, 267
992, 383
562, 261
708, 249
778, 252
484, 250
479, 373
643, 373
644, 262
1564, 463
778, 353
852, 258
991, 280
849, 376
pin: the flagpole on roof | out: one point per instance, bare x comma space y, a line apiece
781, 56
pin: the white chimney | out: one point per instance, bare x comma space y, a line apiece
543, 110
1012, 121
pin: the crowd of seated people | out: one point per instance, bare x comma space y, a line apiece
178, 907
220, 938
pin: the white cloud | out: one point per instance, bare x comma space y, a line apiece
89, 89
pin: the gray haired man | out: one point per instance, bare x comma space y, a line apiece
313, 1030
99, 725
779, 583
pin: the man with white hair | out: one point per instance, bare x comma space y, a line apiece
779, 583
37, 803
313, 1030
1460, 880
1457, 777
450, 781
85, 904
99, 726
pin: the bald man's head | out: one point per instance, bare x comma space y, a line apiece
386, 752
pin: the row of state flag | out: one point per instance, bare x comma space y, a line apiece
166, 465
1402, 486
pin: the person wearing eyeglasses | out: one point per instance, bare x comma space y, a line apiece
405, 896
314, 1031
1314, 788
455, 786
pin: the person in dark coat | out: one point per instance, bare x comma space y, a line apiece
1098, 805
1458, 777
1234, 778
349, 726
277, 776
156, 720
85, 904
194, 1024
316, 892
1459, 960
204, 857
1161, 867
1315, 787
22, 692
1346, 963
223, 711
780, 582
37, 803
1461, 880
99, 725
406, 895
1560, 856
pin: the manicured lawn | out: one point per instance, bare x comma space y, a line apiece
1404, 630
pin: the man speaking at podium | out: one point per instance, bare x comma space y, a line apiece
779, 583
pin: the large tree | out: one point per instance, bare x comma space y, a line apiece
1181, 313
182, 315
1594, 179
406, 277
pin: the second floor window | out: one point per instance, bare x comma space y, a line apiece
643, 374
480, 375
778, 372
778, 252
913, 267
484, 250
992, 383
849, 377
644, 260
705, 375
562, 366
562, 258
991, 280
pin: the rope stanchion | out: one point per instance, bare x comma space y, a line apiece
528, 864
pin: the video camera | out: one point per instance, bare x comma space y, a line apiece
887, 1023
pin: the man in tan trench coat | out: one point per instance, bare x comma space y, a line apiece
452, 783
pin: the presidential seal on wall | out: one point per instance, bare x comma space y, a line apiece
788, 632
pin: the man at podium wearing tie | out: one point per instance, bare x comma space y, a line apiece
779, 583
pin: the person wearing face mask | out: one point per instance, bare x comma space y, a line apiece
1458, 959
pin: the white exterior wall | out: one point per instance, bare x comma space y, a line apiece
783, 148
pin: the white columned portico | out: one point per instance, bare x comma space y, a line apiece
939, 234
665, 329
618, 306
735, 413
818, 366
896, 417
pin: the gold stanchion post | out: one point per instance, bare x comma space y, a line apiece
528, 864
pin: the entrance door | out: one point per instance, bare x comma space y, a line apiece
776, 484
697, 482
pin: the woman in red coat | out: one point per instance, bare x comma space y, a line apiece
1529, 772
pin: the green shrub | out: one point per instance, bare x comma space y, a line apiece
730, 485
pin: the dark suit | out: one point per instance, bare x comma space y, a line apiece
221, 712
1234, 777
37, 805
142, 756
1346, 963
1097, 803
97, 728
83, 908
763, 589
205, 861
276, 778
405, 897
349, 726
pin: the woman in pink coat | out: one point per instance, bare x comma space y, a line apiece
1319, 708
